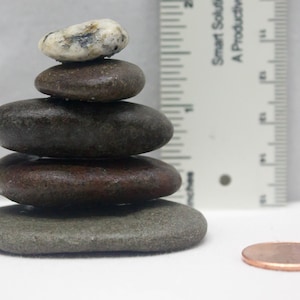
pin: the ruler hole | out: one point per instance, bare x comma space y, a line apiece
225, 180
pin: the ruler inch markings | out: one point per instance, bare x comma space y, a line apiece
180, 20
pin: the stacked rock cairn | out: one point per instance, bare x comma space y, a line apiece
77, 174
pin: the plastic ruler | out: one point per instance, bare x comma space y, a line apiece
223, 86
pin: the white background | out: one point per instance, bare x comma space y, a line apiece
211, 271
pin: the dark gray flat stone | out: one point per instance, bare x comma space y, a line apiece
102, 80
58, 128
156, 226
62, 183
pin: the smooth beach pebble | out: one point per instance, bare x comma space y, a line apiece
57, 128
102, 80
85, 41
62, 183
155, 226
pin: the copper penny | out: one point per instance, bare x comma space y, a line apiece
281, 256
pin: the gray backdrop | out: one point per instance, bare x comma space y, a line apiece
23, 22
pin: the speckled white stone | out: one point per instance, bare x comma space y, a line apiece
85, 41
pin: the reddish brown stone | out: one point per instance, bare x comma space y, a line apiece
101, 80
61, 183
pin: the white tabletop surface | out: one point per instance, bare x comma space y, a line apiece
212, 270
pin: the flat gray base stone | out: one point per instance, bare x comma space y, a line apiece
154, 226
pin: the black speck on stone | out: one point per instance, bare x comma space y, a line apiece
83, 40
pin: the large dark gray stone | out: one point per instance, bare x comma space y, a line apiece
102, 80
62, 183
155, 226
57, 128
